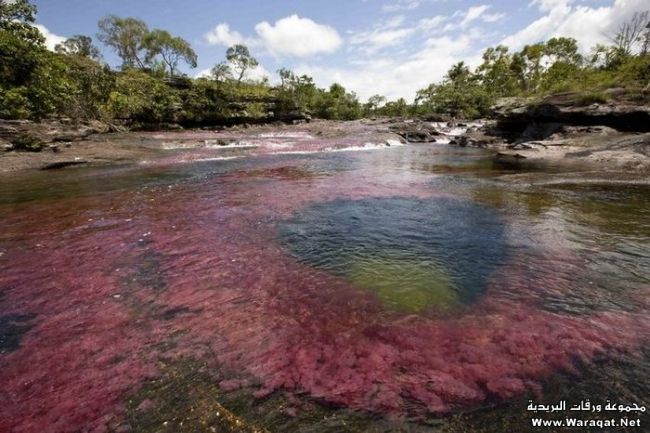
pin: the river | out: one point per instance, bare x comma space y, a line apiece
414, 287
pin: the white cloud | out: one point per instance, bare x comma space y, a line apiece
51, 39
258, 73
395, 21
396, 78
428, 24
289, 36
401, 5
492, 18
396, 57
549, 5
222, 35
372, 41
299, 37
588, 25
392, 32
479, 12
434, 45
473, 13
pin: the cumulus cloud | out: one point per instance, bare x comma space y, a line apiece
396, 78
296, 36
290, 36
588, 25
396, 60
222, 35
396, 57
51, 39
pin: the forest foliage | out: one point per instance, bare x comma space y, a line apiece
149, 88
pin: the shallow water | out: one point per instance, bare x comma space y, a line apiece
410, 283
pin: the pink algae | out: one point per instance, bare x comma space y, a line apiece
233, 296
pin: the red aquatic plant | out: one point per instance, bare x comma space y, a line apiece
116, 282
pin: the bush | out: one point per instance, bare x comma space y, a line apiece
592, 98
14, 103
142, 98
90, 86
27, 143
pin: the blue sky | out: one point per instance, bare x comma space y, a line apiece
391, 47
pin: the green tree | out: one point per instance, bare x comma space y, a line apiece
127, 37
221, 72
496, 72
171, 50
19, 58
138, 96
338, 104
286, 77
398, 108
17, 18
527, 65
90, 85
373, 104
460, 94
241, 60
79, 45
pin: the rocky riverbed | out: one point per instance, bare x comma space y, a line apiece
612, 137
317, 277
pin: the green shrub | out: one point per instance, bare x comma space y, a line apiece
27, 143
142, 98
592, 98
14, 103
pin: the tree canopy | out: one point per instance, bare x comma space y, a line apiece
241, 60
17, 17
72, 81
79, 45
171, 49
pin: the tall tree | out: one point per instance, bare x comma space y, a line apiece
374, 102
241, 59
630, 34
527, 65
171, 50
221, 72
17, 17
79, 45
286, 77
127, 37
496, 72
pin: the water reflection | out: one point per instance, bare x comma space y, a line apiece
293, 279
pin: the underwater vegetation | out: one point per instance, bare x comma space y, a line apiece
102, 291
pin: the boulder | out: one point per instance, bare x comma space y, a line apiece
518, 114
416, 131
34, 136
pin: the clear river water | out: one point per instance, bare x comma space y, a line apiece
394, 288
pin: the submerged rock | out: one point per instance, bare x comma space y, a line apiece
63, 164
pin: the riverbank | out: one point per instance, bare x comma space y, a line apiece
557, 131
62, 144
612, 136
